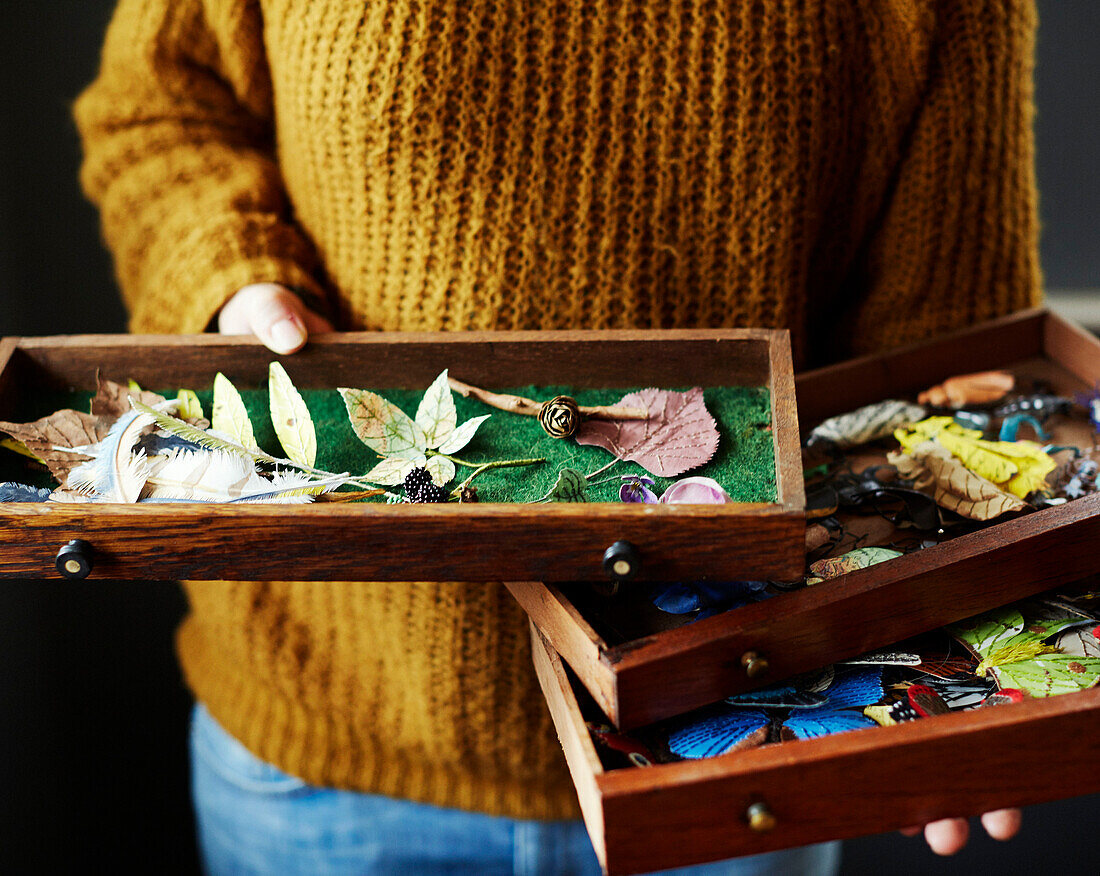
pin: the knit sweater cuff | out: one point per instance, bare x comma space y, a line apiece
190, 285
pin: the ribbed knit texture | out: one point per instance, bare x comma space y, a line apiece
859, 172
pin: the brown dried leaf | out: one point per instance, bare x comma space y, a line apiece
112, 400
679, 435
953, 485
63, 428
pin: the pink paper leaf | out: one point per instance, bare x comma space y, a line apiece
679, 435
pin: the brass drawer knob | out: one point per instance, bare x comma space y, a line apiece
760, 817
756, 665
75, 559
621, 561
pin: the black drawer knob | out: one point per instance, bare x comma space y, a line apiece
75, 559
756, 665
760, 818
621, 561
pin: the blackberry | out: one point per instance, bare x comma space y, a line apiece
420, 488
416, 479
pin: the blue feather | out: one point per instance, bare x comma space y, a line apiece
717, 734
10, 492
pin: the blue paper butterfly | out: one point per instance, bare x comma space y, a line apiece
736, 726
708, 597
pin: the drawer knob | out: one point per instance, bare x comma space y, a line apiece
761, 819
621, 561
75, 559
756, 665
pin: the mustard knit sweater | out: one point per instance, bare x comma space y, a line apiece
859, 172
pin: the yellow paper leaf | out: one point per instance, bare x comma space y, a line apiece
229, 415
20, 448
190, 406
291, 418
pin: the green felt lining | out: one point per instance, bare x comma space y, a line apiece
744, 463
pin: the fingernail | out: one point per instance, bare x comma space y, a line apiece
287, 334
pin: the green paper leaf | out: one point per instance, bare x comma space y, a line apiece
381, 425
291, 418
133, 385
190, 407
441, 469
229, 415
571, 486
461, 436
392, 470
436, 414
1049, 674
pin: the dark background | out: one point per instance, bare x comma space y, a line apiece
93, 712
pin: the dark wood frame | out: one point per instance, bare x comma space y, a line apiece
485, 542
835, 787
676, 671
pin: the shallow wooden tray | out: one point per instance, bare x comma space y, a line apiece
647, 679
484, 542
835, 787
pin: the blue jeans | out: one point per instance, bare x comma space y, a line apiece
255, 819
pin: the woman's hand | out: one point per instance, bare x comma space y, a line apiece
274, 314
948, 836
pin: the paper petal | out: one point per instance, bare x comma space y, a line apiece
461, 436
291, 418
441, 469
696, 491
393, 470
679, 435
436, 414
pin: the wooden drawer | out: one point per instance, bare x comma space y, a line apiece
835, 787
639, 680
484, 541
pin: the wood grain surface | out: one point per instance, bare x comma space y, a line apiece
835, 787
674, 671
485, 542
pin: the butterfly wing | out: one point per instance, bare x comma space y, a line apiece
717, 734
856, 689
823, 722
987, 632
1049, 674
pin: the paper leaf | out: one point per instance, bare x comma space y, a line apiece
229, 415
114, 473
461, 436
290, 416
953, 485
381, 425
679, 435
190, 408
437, 415
571, 486
861, 558
441, 469
866, 424
52, 438
19, 447
393, 470
112, 400
1049, 674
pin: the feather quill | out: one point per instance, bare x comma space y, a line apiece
218, 476
204, 438
115, 473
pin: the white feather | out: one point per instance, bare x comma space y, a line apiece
115, 473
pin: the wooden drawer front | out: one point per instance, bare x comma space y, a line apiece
668, 673
485, 541
852, 784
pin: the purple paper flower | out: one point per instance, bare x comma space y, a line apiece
1091, 402
636, 488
